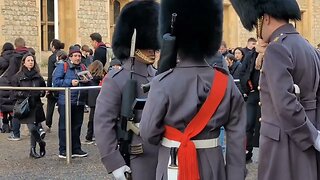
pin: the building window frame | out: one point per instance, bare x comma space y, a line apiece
47, 25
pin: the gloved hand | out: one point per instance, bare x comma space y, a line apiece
317, 143
119, 173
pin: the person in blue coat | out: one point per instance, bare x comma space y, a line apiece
66, 75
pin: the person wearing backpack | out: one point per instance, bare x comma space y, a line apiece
66, 75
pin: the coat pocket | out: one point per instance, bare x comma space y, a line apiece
271, 131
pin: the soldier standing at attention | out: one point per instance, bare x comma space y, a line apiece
142, 16
289, 134
188, 104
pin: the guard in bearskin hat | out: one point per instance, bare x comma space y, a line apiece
289, 91
188, 104
124, 152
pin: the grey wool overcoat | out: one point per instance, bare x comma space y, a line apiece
289, 122
107, 111
175, 98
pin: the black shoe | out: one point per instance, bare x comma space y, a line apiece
249, 157
86, 109
42, 145
79, 153
34, 154
63, 155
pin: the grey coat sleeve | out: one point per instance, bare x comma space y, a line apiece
107, 111
235, 134
290, 112
151, 124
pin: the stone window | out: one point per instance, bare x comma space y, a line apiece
115, 7
47, 23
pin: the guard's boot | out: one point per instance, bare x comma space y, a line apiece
33, 153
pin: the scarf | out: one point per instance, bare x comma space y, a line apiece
29, 74
100, 44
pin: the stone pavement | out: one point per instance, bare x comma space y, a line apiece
15, 163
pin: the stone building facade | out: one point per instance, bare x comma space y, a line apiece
72, 21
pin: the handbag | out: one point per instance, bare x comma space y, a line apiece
21, 109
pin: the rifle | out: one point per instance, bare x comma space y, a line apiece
168, 56
124, 136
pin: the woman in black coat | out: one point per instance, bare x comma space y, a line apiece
29, 76
97, 72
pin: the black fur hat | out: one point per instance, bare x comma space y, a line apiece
198, 27
142, 15
250, 11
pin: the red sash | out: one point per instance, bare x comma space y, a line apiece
187, 154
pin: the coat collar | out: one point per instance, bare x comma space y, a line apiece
139, 68
285, 29
189, 62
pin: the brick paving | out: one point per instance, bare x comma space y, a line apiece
15, 163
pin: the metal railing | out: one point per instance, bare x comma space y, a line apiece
67, 91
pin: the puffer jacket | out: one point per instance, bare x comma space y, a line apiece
4, 60
60, 78
6, 101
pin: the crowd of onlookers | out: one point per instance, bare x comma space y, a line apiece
80, 66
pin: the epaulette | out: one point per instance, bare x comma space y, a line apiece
280, 38
164, 74
114, 72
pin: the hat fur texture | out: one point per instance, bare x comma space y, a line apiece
198, 27
142, 15
251, 10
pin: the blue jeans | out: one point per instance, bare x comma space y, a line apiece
16, 127
76, 123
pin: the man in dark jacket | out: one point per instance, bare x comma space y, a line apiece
6, 100
251, 43
249, 81
56, 46
100, 48
224, 49
65, 75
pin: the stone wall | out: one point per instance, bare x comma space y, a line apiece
316, 15
20, 19
93, 17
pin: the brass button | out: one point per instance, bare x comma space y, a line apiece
259, 103
259, 88
260, 119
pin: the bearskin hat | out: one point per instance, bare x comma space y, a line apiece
250, 11
198, 27
142, 16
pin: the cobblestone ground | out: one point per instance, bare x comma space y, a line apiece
15, 162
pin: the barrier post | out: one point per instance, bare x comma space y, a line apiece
68, 124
